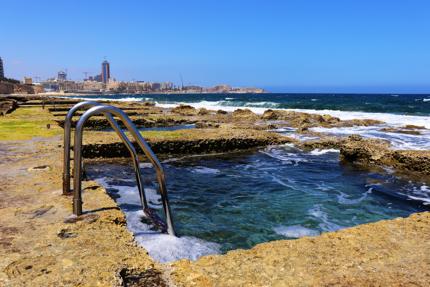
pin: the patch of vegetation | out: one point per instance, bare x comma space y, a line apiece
27, 123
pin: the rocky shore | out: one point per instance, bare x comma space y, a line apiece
40, 243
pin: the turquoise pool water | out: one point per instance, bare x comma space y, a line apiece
220, 203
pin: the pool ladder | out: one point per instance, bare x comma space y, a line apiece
96, 108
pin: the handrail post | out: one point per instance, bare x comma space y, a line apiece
108, 111
114, 125
66, 142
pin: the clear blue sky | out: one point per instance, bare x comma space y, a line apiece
304, 46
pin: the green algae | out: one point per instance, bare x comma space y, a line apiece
27, 123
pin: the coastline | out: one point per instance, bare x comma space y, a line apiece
99, 248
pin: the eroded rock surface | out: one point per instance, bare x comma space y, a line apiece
386, 253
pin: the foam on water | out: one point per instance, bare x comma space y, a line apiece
230, 104
398, 140
162, 247
392, 119
345, 199
323, 151
240, 200
422, 194
166, 248
295, 231
325, 223
205, 170
281, 153
125, 99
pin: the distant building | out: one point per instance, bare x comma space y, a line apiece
98, 78
92, 86
28, 81
166, 86
1, 69
105, 72
155, 86
61, 76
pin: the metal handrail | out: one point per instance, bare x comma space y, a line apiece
108, 111
118, 130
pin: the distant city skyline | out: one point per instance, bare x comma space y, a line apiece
291, 46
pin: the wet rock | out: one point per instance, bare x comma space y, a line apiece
363, 151
412, 160
300, 120
414, 127
305, 120
221, 112
373, 152
324, 143
401, 131
356, 122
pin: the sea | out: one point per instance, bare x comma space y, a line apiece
237, 200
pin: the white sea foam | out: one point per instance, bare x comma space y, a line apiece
422, 194
125, 99
283, 155
262, 104
145, 165
295, 231
261, 107
393, 119
326, 225
323, 151
205, 170
398, 140
302, 137
161, 247
346, 199
166, 248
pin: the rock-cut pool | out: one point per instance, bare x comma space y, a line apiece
238, 200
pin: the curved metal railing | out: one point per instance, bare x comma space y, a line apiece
108, 111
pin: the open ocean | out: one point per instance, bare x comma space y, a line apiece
238, 200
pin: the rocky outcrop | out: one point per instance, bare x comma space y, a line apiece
185, 142
408, 131
184, 110
300, 120
245, 114
364, 151
146, 122
7, 106
418, 161
372, 152
303, 121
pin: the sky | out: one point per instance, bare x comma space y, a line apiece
283, 46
